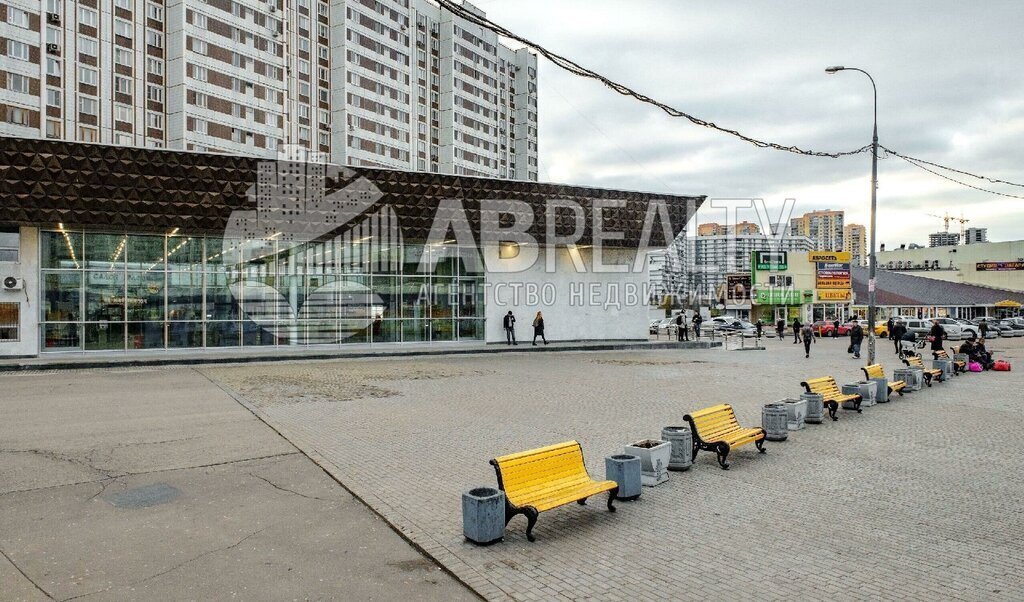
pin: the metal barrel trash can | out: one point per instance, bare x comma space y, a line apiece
774, 421
483, 515
815, 407
881, 390
624, 469
682, 446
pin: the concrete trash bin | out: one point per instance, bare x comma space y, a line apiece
774, 421
681, 439
796, 413
913, 377
866, 390
624, 469
815, 407
881, 390
654, 456
483, 515
946, 366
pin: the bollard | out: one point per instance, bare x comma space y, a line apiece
774, 421
682, 446
483, 515
624, 469
815, 407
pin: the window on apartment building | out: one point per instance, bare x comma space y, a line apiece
16, 115
154, 93
325, 95
122, 85
122, 28
303, 67
53, 67
199, 73
87, 16
88, 76
154, 120
123, 113
324, 74
239, 60
88, 134
323, 9
155, 11
201, 100
123, 139
303, 44
304, 89
325, 117
17, 50
303, 112
17, 83
17, 17
88, 46
304, 135
200, 47
238, 10
53, 6
53, 96
125, 4
154, 39
199, 20
302, 4
238, 135
88, 105
52, 128
154, 143
239, 111
325, 32
10, 316
303, 22
325, 139
201, 126
123, 56
52, 35
324, 52
155, 66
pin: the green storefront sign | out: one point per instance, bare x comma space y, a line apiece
775, 261
782, 296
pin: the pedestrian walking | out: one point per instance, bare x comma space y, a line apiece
808, 335
898, 330
796, 330
983, 328
679, 327
780, 328
888, 327
509, 324
856, 338
760, 327
936, 334
697, 320
686, 328
538, 329
835, 329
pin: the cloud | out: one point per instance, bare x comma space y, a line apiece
948, 92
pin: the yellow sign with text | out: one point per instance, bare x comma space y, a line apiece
840, 295
834, 256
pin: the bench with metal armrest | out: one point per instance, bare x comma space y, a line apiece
915, 361
958, 365
876, 371
831, 393
545, 478
716, 429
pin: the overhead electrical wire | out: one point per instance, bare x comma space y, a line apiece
579, 70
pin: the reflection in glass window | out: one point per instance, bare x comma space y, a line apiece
104, 296
62, 296
62, 249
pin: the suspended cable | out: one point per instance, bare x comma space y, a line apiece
954, 180
947, 168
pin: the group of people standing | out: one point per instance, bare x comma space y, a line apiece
683, 326
805, 333
509, 324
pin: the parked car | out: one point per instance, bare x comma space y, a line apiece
823, 328
969, 329
739, 326
881, 327
652, 328
954, 331
666, 325
1014, 330
922, 327
993, 329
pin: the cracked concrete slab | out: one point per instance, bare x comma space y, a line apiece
253, 519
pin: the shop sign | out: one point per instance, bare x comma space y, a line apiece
780, 296
834, 295
999, 266
830, 256
773, 261
833, 275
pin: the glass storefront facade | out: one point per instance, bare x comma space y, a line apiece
102, 291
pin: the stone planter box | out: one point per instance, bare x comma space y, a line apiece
681, 439
946, 366
866, 390
881, 390
624, 470
654, 456
913, 377
796, 413
775, 421
815, 407
483, 515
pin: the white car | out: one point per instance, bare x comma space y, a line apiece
954, 331
969, 329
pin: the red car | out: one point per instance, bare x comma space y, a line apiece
825, 328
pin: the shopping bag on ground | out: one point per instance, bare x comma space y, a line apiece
974, 367
1001, 366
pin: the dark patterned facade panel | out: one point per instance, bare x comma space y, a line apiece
107, 187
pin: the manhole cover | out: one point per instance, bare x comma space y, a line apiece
144, 497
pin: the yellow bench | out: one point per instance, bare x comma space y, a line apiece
914, 361
876, 371
716, 429
539, 480
958, 365
831, 393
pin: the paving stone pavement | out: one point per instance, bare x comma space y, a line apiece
917, 499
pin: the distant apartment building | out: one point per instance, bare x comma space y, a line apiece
824, 228
975, 235
666, 270
712, 257
394, 83
943, 239
855, 241
715, 229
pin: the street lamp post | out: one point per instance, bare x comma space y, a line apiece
872, 260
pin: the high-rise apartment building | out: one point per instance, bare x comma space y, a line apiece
712, 257
715, 229
973, 236
394, 83
943, 239
824, 228
855, 241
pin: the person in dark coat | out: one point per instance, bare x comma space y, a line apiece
538, 329
935, 335
780, 328
509, 324
983, 328
796, 330
697, 320
898, 330
808, 335
856, 338
679, 327
835, 329
888, 328
760, 326
685, 327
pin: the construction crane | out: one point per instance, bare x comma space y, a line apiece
948, 218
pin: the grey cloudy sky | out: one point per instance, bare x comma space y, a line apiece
951, 90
